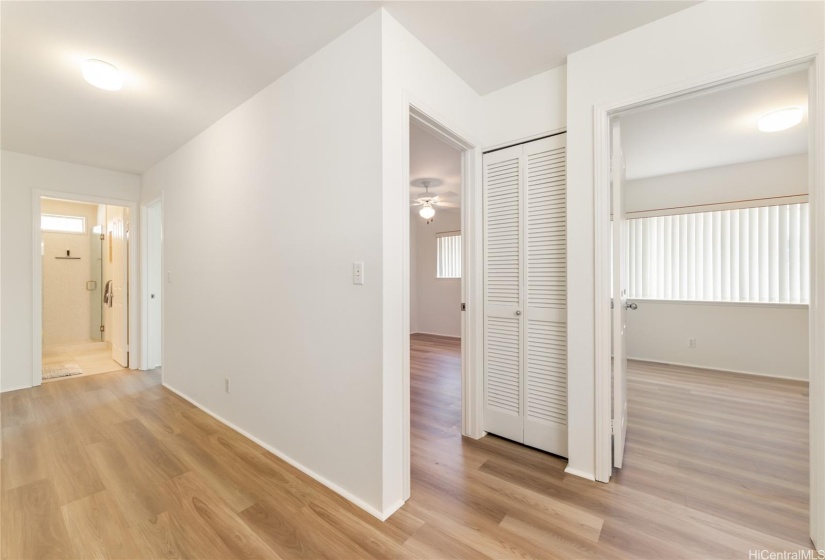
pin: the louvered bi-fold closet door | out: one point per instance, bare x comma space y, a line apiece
545, 309
503, 377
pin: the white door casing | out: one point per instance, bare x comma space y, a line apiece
119, 316
620, 303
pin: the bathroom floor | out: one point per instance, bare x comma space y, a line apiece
91, 357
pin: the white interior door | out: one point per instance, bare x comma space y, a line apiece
545, 319
154, 283
620, 303
503, 247
119, 324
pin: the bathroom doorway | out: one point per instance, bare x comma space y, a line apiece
84, 254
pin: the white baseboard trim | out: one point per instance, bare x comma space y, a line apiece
392, 509
437, 334
309, 472
582, 474
727, 370
10, 389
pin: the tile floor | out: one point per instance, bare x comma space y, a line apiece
92, 357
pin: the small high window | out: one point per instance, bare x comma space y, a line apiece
63, 224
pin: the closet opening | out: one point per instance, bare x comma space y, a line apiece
83, 261
525, 293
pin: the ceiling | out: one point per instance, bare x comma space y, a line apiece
494, 44
186, 63
432, 158
715, 129
189, 63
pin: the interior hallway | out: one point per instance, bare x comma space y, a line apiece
114, 465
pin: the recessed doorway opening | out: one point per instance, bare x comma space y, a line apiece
83, 268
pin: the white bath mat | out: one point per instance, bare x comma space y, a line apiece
52, 371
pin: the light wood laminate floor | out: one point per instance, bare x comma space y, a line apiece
115, 466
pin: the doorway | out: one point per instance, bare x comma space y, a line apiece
710, 291
456, 207
83, 264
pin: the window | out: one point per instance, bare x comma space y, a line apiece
745, 255
63, 224
448, 255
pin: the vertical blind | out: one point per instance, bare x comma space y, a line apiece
448, 255
745, 255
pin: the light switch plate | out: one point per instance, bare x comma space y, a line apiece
358, 273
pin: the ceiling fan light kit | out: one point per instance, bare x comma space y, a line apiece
429, 201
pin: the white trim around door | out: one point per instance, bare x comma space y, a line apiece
37, 275
813, 58
471, 288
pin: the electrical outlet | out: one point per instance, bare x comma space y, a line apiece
226, 385
691, 343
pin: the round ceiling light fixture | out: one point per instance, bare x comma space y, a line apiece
102, 74
427, 211
780, 120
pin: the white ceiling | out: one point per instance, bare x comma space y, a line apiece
495, 44
189, 63
186, 63
715, 129
431, 158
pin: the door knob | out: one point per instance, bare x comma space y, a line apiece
518, 312
632, 306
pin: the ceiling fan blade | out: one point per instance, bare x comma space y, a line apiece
447, 195
447, 204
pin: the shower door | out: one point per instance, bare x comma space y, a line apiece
95, 284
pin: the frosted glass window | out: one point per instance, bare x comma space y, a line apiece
744, 255
448, 255
64, 224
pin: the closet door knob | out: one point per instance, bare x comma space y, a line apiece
518, 312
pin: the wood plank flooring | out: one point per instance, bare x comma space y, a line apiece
115, 466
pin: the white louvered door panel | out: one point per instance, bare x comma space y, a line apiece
545, 327
503, 377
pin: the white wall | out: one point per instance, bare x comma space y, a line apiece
410, 72
437, 303
695, 42
525, 110
765, 339
20, 175
67, 304
264, 214
765, 179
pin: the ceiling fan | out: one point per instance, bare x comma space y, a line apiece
428, 201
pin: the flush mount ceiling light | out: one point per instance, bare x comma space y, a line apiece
427, 211
780, 120
102, 74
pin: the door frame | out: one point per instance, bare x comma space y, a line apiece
37, 273
144, 280
471, 288
812, 57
